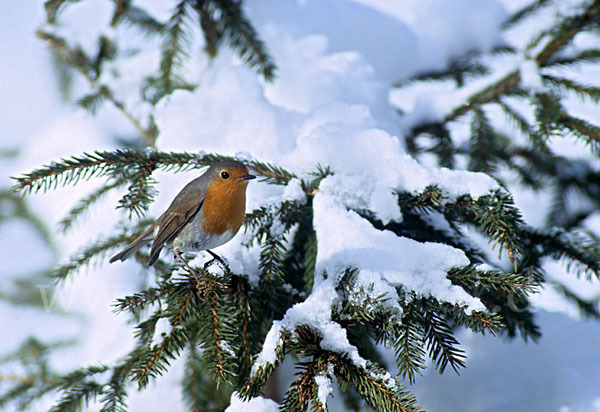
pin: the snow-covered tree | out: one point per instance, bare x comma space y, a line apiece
371, 231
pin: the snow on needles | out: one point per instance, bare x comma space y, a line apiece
315, 312
351, 133
337, 115
384, 259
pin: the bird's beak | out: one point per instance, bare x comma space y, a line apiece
248, 177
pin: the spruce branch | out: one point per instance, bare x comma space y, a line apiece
243, 38
488, 94
181, 300
583, 91
174, 53
583, 129
525, 12
376, 386
129, 164
139, 301
200, 392
580, 252
216, 331
118, 11
584, 56
588, 308
409, 350
85, 203
21, 391
481, 322
270, 173
431, 199
115, 393
482, 143
558, 205
510, 83
523, 125
77, 59
495, 215
492, 280
212, 29
92, 101
140, 193
247, 316
499, 218
271, 260
78, 388
311, 186
146, 329
220, 370
79, 375
444, 147
54, 7
13, 206
74, 398
120, 163
87, 256
441, 343
566, 30
245, 336
258, 378
153, 361
553, 119
141, 19
478, 321
219, 321
303, 390
70, 171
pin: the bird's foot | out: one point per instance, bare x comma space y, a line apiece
177, 254
216, 258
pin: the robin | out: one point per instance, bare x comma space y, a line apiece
207, 212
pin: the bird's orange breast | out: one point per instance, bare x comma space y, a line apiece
224, 207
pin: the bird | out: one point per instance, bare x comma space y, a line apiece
206, 213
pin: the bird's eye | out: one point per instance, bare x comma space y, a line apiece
224, 175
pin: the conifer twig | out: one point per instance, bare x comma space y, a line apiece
60, 47
564, 34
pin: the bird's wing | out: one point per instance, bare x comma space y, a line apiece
183, 208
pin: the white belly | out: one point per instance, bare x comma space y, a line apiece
195, 240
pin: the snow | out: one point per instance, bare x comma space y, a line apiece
293, 191
530, 76
272, 341
258, 404
434, 26
390, 59
384, 260
346, 239
329, 106
324, 388
163, 329
314, 312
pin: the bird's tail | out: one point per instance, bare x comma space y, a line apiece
134, 246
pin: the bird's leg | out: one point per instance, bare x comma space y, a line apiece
177, 254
